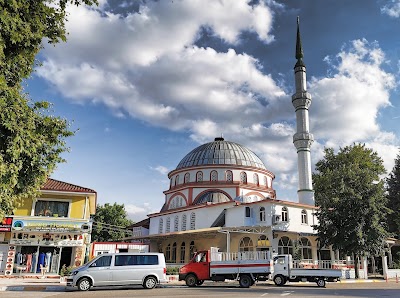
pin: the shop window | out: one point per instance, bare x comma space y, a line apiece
51, 208
183, 252
285, 246
160, 226
187, 178
303, 216
262, 214
246, 244
214, 176
229, 176
285, 214
183, 222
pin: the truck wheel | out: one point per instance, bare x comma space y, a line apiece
150, 282
279, 280
245, 281
321, 283
191, 280
200, 282
84, 284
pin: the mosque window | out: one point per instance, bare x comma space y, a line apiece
306, 249
285, 214
183, 252
214, 176
229, 176
247, 212
243, 177
285, 246
262, 214
263, 243
193, 221
192, 249
168, 253
199, 176
173, 254
187, 178
176, 180
168, 225
160, 226
183, 223
176, 223
246, 244
265, 181
255, 179
304, 217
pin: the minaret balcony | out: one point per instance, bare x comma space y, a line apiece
303, 140
301, 100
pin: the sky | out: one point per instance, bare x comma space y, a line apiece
145, 82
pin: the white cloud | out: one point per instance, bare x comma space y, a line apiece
137, 213
161, 169
392, 9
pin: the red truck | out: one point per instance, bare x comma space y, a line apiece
247, 267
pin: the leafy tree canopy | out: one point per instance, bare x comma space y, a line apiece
393, 195
352, 201
31, 140
110, 223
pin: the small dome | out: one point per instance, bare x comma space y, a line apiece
212, 197
221, 152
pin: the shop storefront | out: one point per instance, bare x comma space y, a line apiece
38, 246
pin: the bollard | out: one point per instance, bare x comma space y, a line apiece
397, 279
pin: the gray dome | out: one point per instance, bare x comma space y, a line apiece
221, 152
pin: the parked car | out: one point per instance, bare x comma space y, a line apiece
120, 269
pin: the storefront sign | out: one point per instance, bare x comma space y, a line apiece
5, 224
40, 242
64, 226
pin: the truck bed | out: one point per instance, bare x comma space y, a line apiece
240, 266
316, 272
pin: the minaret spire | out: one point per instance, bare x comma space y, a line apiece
302, 139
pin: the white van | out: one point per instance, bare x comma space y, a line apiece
120, 269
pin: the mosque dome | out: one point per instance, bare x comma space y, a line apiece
221, 152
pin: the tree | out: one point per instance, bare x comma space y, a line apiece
352, 202
31, 140
110, 223
393, 195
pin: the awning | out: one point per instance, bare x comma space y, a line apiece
204, 233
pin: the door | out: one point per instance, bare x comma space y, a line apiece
100, 271
281, 265
200, 264
123, 272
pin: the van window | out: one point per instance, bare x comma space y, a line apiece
104, 261
129, 260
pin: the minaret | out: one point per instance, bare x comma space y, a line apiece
302, 139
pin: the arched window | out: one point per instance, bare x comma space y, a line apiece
176, 180
192, 221
213, 176
199, 176
263, 243
285, 246
160, 226
187, 178
246, 244
243, 177
183, 252
183, 223
191, 249
265, 181
173, 254
262, 214
168, 253
255, 179
168, 225
176, 223
285, 214
304, 219
306, 249
229, 176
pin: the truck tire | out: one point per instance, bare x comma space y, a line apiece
279, 280
84, 284
191, 280
321, 283
150, 282
245, 281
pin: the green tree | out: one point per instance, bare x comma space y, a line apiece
110, 223
31, 140
393, 195
352, 201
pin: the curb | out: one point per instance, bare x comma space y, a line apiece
33, 288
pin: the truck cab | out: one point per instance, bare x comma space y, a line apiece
197, 270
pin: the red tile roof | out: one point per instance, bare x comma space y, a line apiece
55, 185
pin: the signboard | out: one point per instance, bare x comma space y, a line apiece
47, 239
56, 226
5, 224
41, 242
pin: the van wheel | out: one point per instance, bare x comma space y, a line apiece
200, 282
150, 282
191, 280
321, 283
279, 280
245, 281
84, 284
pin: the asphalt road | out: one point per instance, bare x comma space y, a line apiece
306, 290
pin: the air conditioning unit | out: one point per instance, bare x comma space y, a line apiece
276, 219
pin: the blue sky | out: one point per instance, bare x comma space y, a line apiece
145, 82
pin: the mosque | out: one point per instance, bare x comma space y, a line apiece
221, 195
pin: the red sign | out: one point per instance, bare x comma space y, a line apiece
5, 224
